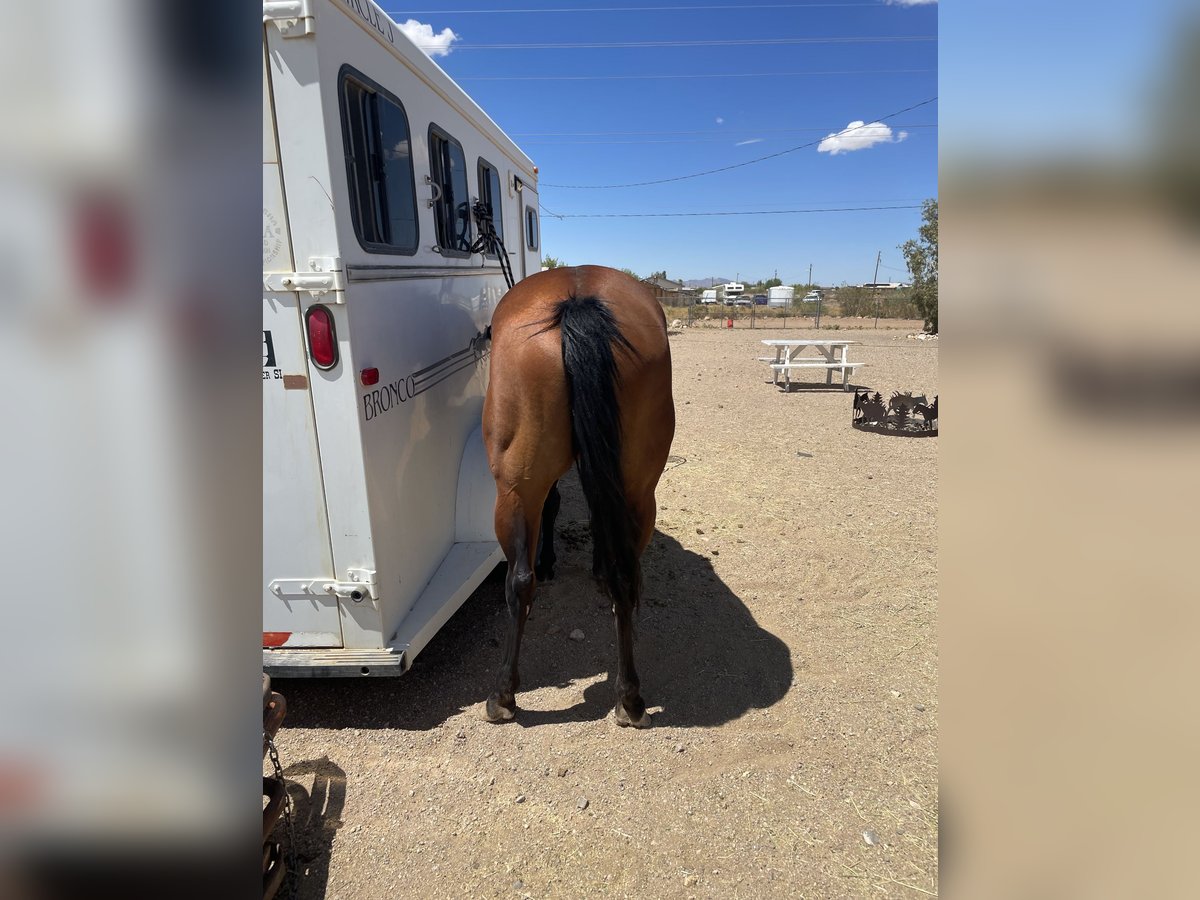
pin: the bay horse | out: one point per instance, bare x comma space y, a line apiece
580, 373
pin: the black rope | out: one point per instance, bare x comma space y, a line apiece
490, 242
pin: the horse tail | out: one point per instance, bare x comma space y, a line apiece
589, 338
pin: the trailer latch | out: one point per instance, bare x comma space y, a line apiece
325, 277
360, 587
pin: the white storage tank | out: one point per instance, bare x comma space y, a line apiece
781, 296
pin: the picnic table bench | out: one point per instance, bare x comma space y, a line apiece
832, 357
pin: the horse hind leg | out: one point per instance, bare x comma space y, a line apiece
546, 557
515, 528
630, 709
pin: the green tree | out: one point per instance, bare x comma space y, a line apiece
632, 274
551, 263
921, 256
855, 301
772, 282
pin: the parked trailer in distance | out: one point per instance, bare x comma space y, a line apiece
377, 496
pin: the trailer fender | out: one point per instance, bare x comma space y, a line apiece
474, 514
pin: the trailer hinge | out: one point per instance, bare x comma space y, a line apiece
361, 586
293, 18
326, 276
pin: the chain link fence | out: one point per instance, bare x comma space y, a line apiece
718, 315
800, 314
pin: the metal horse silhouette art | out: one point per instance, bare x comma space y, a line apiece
869, 410
906, 400
898, 417
580, 373
928, 412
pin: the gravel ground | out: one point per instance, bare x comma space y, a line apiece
786, 645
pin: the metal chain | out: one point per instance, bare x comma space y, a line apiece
291, 877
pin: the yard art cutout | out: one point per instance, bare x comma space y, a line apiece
904, 414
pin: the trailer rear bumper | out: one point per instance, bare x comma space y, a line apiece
324, 663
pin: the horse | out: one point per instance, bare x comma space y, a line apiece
580, 374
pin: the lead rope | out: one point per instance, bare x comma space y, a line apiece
490, 242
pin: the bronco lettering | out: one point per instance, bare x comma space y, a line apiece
369, 13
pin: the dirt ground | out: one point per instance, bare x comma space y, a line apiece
786, 646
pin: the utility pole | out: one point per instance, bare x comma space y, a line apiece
809, 285
875, 286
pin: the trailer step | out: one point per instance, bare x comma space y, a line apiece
304, 663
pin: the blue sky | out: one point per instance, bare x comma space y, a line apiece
604, 131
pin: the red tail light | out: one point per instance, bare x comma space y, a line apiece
322, 338
104, 246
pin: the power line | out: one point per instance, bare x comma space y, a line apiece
640, 143
732, 139
730, 132
690, 75
723, 42
748, 162
590, 9
879, 200
755, 212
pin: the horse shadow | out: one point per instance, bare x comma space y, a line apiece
703, 658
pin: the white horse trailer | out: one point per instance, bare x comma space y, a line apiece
377, 497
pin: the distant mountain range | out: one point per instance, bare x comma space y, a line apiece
706, 282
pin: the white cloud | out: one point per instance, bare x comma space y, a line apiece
422, 35
720, 121
859, 136
910, 2
751, 141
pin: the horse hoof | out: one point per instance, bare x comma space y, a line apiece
625, 721
494, 712
544, 573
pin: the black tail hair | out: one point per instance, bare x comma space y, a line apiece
589, 335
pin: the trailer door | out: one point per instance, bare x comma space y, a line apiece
297, 554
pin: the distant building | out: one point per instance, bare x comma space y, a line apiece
672, 293
885, 285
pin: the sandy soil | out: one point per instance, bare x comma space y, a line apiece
786, 645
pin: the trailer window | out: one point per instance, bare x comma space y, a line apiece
452, 204
490, 194
531, 228
383, 198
